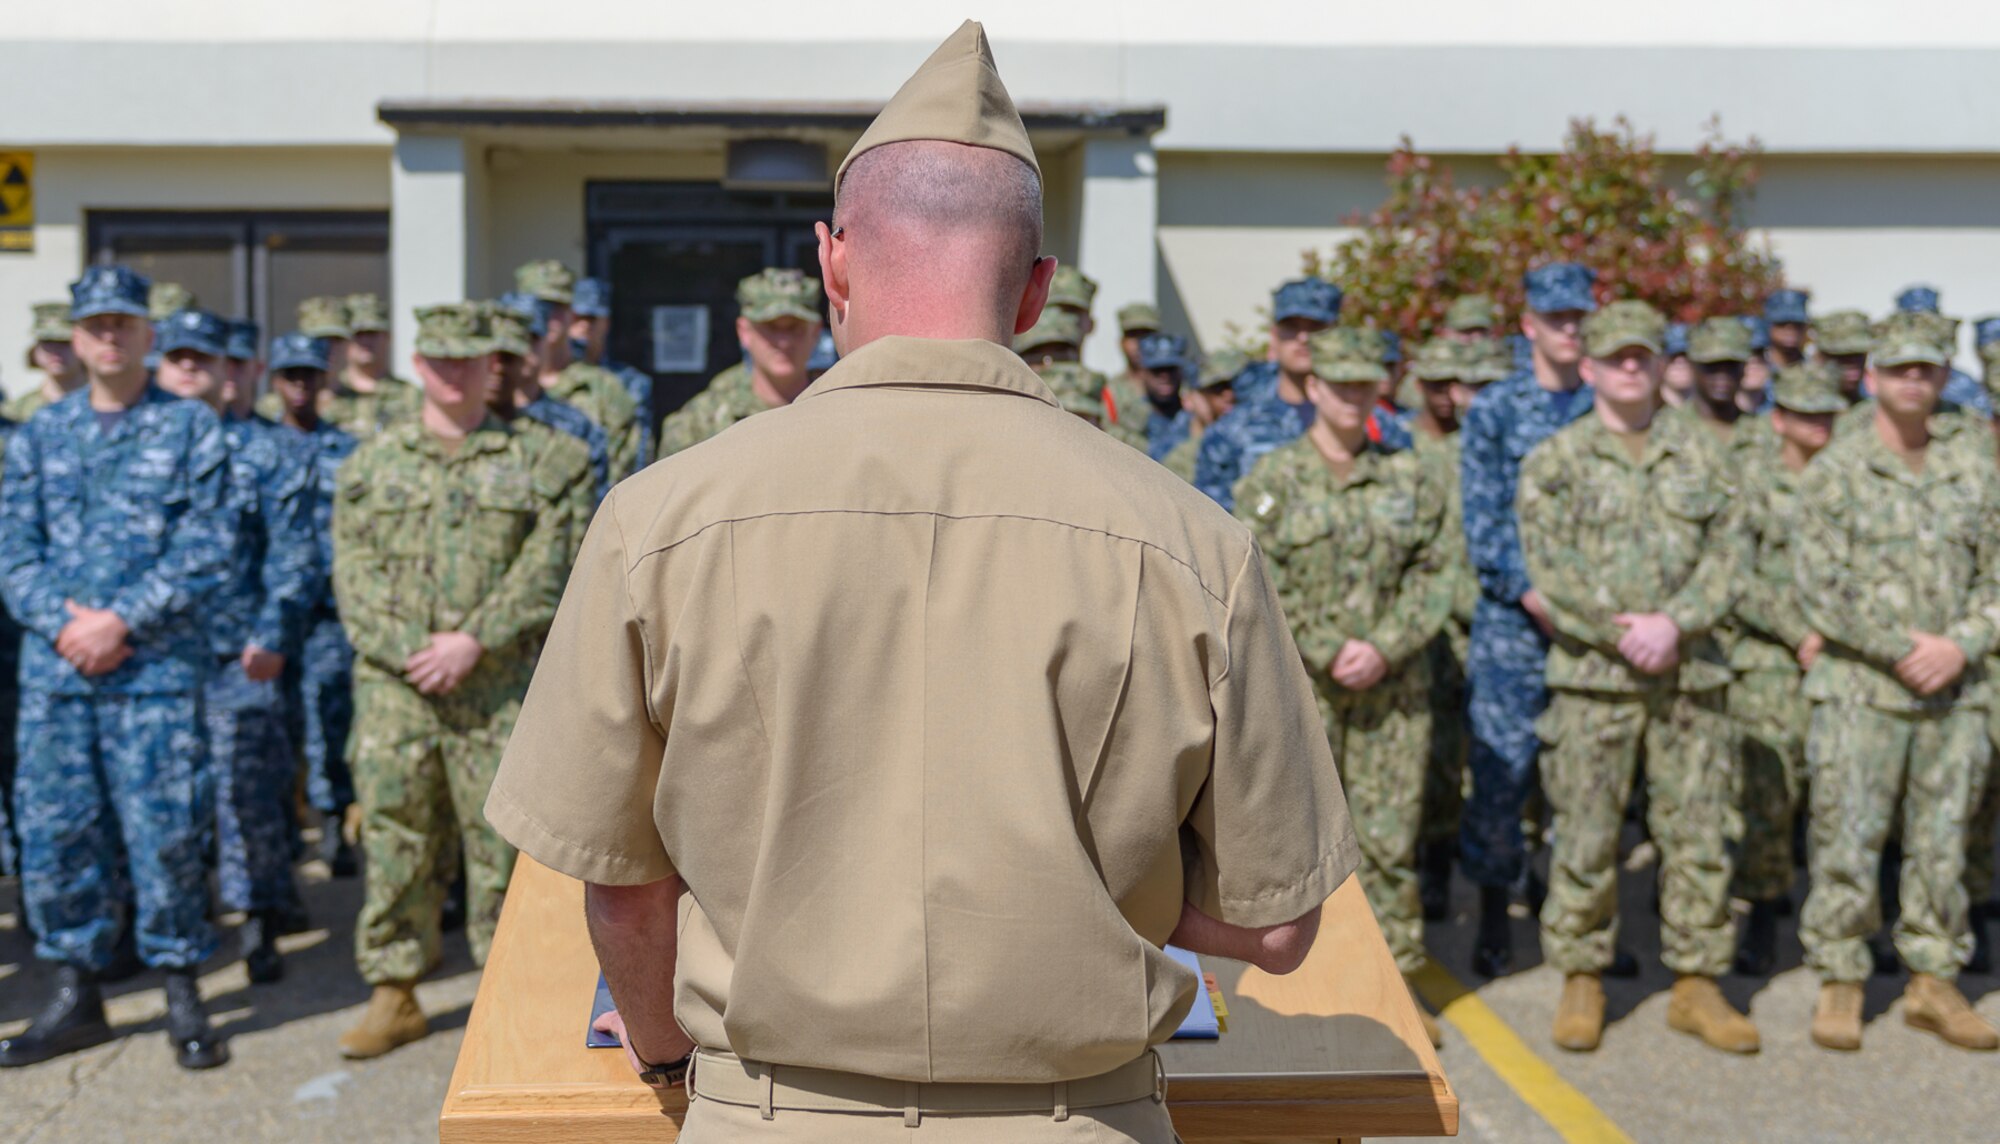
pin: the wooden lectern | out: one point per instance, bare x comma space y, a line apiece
1333, 1052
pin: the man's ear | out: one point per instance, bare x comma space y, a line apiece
833, 271
1035, 294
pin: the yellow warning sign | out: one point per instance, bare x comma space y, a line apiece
17, 200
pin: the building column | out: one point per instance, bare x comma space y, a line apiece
1117, 236
436, 201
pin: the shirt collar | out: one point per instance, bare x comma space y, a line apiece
933, 364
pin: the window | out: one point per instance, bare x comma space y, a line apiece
254, 264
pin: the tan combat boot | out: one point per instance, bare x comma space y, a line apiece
1836, 1022
393, 1019
1934, 1004
1697, 1006
1580, 1014
1431, 1027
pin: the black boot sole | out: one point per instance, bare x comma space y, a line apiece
205, 1052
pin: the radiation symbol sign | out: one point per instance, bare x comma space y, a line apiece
17, 200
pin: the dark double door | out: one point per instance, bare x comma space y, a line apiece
673, 253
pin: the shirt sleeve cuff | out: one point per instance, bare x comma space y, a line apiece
531, 836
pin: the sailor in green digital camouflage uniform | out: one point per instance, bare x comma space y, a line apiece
592, 390
1360, 555
367, 397
1935, 328
1127, 391
777, 324
1212, 394
1470, 318
1842, 339
1773, 646
1074, 292
1720, 350
1629, 534
1444, 373
1896, 553
1051, 347
452, 537
1980, 834
52, 357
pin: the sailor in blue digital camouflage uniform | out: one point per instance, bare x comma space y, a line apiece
1788, 322
1163, 366
590, 338
255, 622
1961, 388
1504, 662
519, 380
1271, 405
244, 368
10, 703
319, 681
116, 529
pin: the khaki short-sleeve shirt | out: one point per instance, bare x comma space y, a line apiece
941, 702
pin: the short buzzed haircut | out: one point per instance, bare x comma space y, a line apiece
941, 187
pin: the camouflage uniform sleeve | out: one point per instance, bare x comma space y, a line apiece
1823, 567
361, 579
1492, 537
1978, 629
1265, 507
1424, 591
24, 542
677, 431
195, 561
1555, 568
1218, 465
1770, 608
291, 557
1709, 592
525, 598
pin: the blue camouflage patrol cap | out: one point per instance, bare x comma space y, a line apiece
300, 351
824, 356
1760, 333
1314, 299
530, 309
1918, 299
1986, 331
243, 340
196, 330
1558, 286
109, 290
1677, 339
592, 298
1163, 351
1787, 305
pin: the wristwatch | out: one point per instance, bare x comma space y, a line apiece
668, 1074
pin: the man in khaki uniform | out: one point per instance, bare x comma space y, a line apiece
938, 794
777, 324
593, 390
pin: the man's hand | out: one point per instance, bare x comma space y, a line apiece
439, 668
1358, 666
1933, 665
1651, 643
614, 1025
1539, 612
262, 666
93, 640
1809, 649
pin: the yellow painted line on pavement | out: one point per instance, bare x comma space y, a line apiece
1554, 1099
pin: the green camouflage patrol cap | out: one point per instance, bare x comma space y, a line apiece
1843, 332
1622, 325
1471, 312
1071, 288
771, 294
453, 330
51, 323
1909, 337
366, 314
1718, 340
1056, 327
1221, 367
167, 298
1076, 388
1443, 359
506, 330
1808, 387
324, 317
1137, 318
1349, 353
547, 279
1492, 361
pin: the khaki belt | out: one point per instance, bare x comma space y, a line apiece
729, 1079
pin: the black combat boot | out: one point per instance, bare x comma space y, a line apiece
1982, 939
1493, 952
451, 918
259, 941
334, 848
1757, 952
1434, 880
196, 1046
73, 1020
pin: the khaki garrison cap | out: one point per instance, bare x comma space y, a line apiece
957, 97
